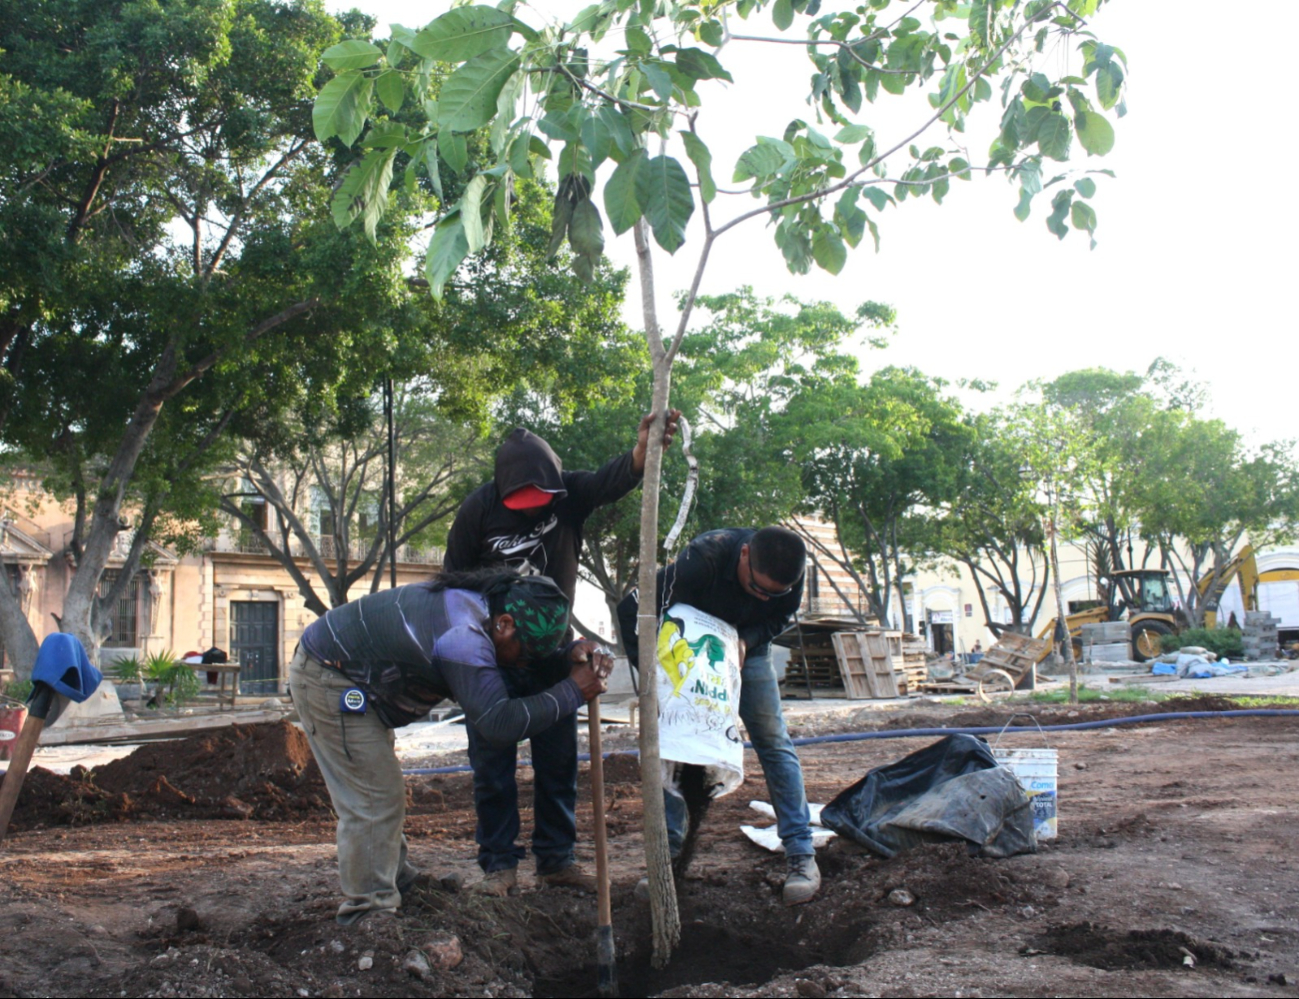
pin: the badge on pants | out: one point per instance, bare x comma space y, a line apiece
352, 701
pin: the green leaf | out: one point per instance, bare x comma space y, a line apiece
575, 160
463, 33
1086, 187
430, 158
1084, 217
877, 197
783, 14
668, 202
852, 219
341, 107
711, 33
981, 22
586, 230
364, 191
1095, 133
446, 251
959, 167
623, 139
471, 213
1054, 136
598, 140
453, 150
558, 127
702, 158
659, 80
351, 54
561, 215
391, 89
1025, 206
385, 135
468, 97
518, 157
1109, 84
626, 192
875, 233
982, 89
1059, 212
763, 160
828, 250
700, 65
853, 133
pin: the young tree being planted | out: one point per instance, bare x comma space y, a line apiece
627, 83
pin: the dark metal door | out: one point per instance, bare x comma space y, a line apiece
255, 643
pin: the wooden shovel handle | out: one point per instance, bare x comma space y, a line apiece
597, 804
24, 747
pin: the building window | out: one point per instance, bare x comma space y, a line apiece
124, 619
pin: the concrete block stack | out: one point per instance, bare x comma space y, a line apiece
1260, 635
1107, 642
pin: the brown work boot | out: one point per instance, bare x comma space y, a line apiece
571, 876
802, 880
498, 884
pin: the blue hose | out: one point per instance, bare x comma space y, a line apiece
913, 733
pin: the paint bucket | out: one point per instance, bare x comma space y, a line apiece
12, 716
1037, 771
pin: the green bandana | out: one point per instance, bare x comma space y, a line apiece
540, 612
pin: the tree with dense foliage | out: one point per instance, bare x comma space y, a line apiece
878, 457
168, 258
626, 81
993, 525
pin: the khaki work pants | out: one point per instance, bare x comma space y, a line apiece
356, 756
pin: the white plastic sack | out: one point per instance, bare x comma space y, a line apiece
699, 696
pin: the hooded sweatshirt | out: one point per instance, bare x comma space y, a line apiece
486, 532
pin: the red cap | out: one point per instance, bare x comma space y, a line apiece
528, 498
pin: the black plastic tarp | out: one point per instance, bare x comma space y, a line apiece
953, 789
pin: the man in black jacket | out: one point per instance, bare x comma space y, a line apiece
752, 580
529, 518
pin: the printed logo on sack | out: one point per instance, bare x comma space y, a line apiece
7, 736
353, 701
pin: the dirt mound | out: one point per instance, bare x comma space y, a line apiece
241, 772
1111, 950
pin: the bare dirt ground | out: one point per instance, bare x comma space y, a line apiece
1176, 873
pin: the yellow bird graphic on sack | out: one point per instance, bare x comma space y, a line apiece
677, 656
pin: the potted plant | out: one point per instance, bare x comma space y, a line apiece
128, 674
174, 682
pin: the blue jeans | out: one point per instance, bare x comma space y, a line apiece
765, 723
554, 784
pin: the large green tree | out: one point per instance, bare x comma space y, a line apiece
878, 458
626, 81
993, 524
170, 261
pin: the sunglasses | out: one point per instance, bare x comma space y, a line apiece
761, 590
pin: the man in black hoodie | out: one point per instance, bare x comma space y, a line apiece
529, 518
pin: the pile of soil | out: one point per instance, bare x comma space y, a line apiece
241, 772
1110, 950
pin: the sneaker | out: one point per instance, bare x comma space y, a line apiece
498, 884
802, 879
571, 876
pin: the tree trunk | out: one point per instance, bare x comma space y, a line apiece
665, 917
1062, 618
19, 639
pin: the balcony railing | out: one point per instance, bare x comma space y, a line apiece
327, 545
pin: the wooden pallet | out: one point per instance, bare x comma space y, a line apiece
1016, 654
866, 662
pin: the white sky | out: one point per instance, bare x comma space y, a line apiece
1194, 235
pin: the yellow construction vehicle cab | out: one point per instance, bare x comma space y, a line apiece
1145, 596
